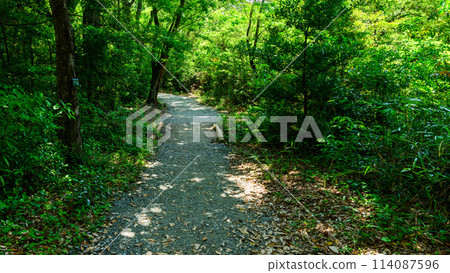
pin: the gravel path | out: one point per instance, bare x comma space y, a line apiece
189, 200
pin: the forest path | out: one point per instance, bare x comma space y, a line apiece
188, 201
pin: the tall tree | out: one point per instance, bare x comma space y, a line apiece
91, 14
171, 22
69, 134
158, 66
255, 42
139, 11
126, 9
251, 49
309, 17
92, 48
250, 20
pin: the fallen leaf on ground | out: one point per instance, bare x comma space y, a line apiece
243, 230
334, 249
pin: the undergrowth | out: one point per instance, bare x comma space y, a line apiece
398, 170
48, 206
362, 219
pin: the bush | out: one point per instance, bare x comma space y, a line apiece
30, 156
407, 155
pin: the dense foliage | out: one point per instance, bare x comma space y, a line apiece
48, 204
375, 75
376, 80
379, 89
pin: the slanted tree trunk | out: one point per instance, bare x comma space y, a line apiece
255, 43
158, 70
69, 134
158, 73
250, 20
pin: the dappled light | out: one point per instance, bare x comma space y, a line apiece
143, 220
165, 187
155, 209
128, 233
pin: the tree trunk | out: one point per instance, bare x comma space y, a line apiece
158, 73
91, 14
31, 55
126, 10
91, 17
252, 65
158, 70
8, 58
138, 11
255, 43
152, 98
69, 134
30, 48
304, 79
154, 17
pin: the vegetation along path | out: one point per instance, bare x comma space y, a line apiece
188, 200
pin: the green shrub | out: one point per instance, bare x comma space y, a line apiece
30, 157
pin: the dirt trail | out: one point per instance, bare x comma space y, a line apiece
188, 201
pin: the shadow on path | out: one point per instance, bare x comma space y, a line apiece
198, 205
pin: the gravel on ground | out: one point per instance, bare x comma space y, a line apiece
189, 200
